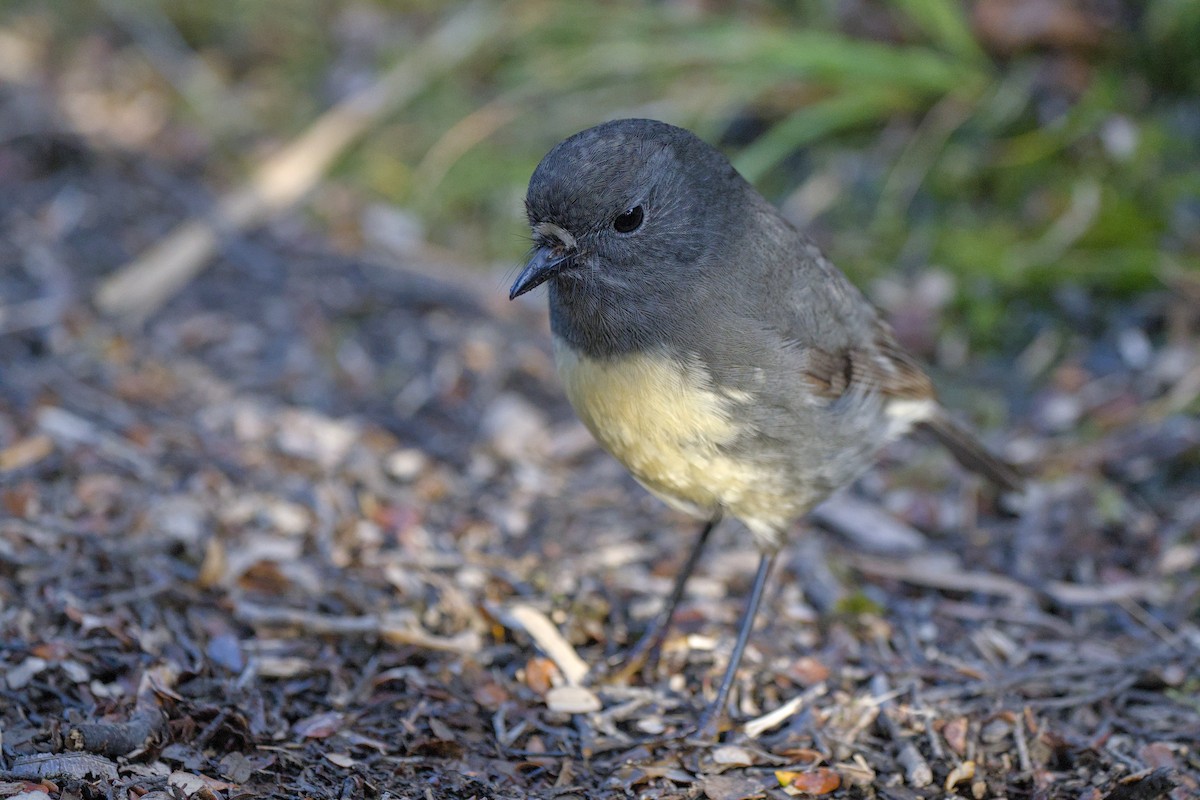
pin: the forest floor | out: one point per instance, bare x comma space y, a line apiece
323, 528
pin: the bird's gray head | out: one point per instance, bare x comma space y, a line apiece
628, 220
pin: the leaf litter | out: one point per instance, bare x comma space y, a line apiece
327, 528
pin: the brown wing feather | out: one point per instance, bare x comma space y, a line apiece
884, 366
879, 364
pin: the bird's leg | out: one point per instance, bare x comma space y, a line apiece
645, 654
707, 729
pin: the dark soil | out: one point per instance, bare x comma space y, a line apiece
269, 544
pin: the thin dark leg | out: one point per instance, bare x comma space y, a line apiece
707, 731
645, 653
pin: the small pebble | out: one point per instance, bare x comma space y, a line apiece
572, 700
405, 465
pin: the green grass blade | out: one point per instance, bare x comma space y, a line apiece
946, 25
836, 113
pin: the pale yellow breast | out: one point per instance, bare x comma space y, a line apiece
667, 424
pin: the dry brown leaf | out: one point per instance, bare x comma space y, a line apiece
540, 674
821, 780
319, 726
955, 734
191, 783
807, 671
490, 695
1159, 754
803, 755
21, 500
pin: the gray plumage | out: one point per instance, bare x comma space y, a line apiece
715, 282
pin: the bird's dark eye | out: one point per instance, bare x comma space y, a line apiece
630, 221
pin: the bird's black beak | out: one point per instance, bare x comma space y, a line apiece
544, 264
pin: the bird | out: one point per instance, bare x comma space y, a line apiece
713, 349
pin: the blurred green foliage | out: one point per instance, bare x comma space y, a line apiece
895, 131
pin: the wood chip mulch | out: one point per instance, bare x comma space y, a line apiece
326, 528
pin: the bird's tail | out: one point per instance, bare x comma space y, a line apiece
971, 454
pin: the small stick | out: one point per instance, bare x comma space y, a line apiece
142, 286
760, 725
396, 628
552, 643
1022, 746
916, 769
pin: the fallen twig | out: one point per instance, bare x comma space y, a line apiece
552, 643
114, 739
942, 573
142, 286
916, 769
37, 766
760, 725
398, 628
119, 738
